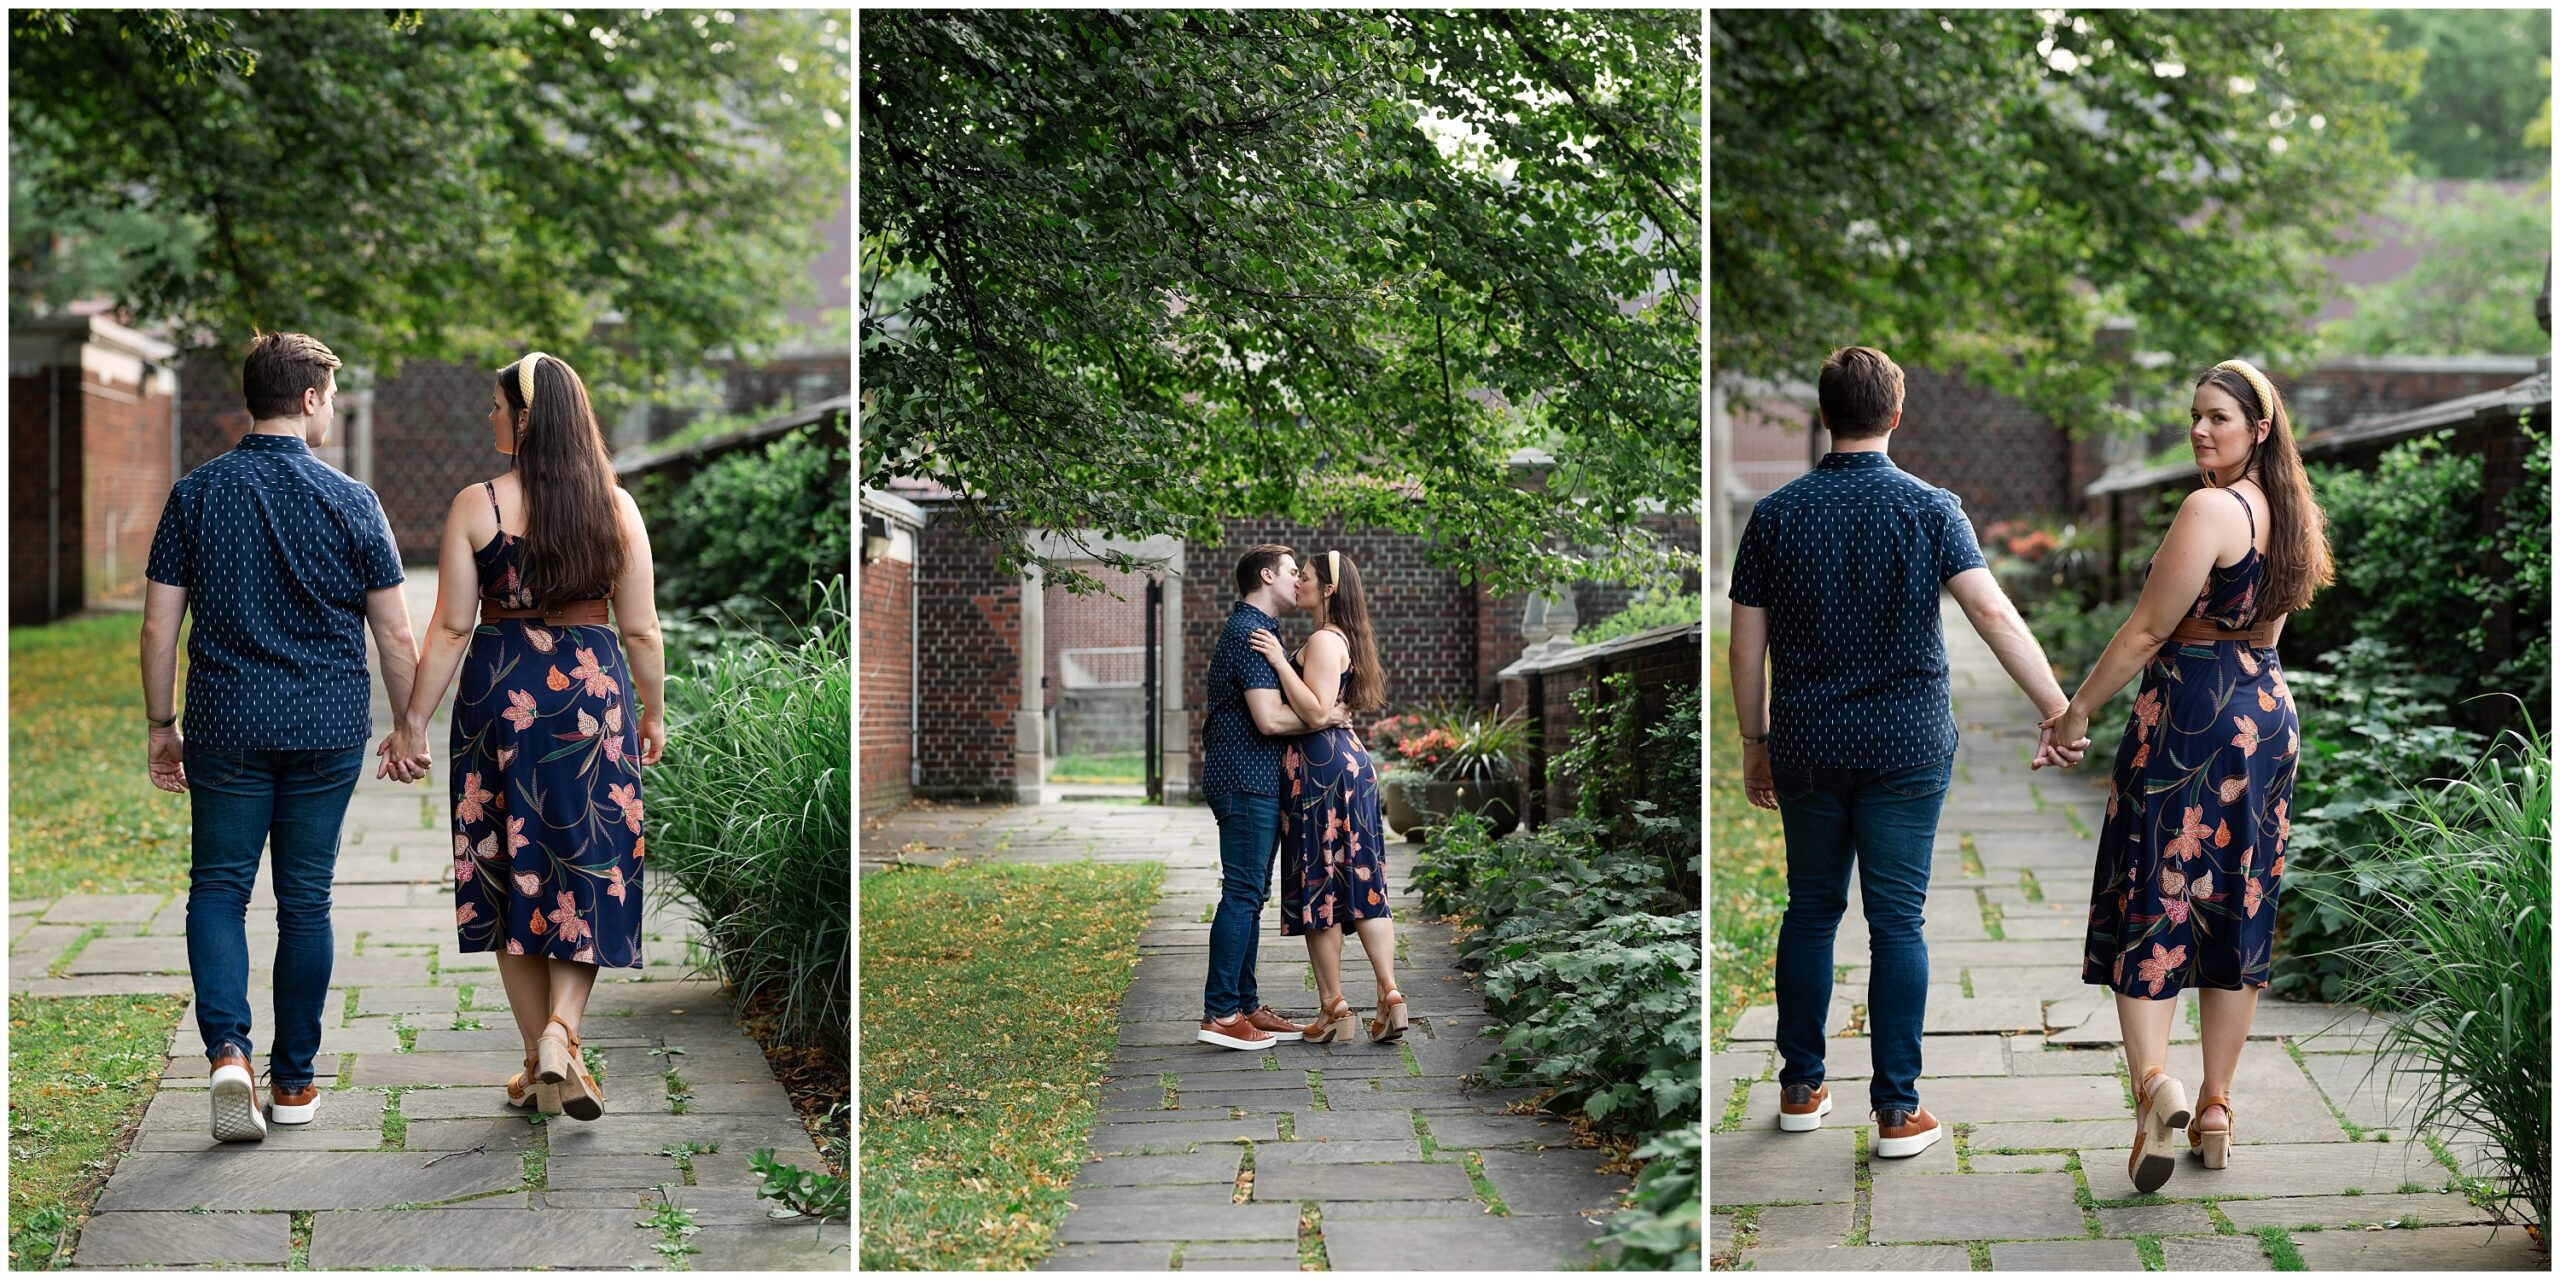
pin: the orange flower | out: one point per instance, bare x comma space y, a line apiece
2222, 835
2284, 824
2112, 797
2248, 660
2190, 839
2233, 788
639, 849
463, 914
556, 680
2142, 755
2266, 701
598, 683
2162, 963
539, 925
2276, 872
469, 807
2247, 739
543, 641
1373, 897
2251, 899
519, 711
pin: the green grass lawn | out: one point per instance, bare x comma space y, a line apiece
1747, 873
990, 1003
1118, 766
81, 1070
83, 815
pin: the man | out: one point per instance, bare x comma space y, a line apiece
285, 562
1241, 742
1836, 580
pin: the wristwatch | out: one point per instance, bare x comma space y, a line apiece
161, 724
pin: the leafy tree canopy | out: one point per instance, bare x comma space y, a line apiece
1991, 188
1130, 272
446, 184
2480, 263
2487, 75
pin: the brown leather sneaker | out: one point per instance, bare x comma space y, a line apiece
234, 1091
1235, 1031
1802, 1106
1279, 1027
294, 1106
1902, 1133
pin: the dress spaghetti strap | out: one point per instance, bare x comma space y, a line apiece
2245, 509
492, 487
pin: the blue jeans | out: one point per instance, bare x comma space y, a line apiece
1883, 822
243, 802
1248, 840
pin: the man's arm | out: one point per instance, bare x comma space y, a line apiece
163, 607
1747, 659
1996, 620
387, 612
1272, 714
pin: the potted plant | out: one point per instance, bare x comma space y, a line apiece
1476, 770
1396, 744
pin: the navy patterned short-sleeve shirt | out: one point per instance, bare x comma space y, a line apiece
1848, 560
276, 550
1235, 757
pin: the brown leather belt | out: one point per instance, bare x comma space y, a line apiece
2202, 631
573, 613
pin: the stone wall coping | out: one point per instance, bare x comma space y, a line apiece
1536, 662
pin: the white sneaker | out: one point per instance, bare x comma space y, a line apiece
236, 1114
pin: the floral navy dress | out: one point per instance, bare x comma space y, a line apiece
547, 840
2198, 812
1333, 861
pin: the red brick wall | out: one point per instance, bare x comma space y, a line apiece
124, 483
969, 612
888, 611
1660, 669
114, 480
1112, 620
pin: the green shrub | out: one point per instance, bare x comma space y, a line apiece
1620, 766
2463, 950
1606, 1016
1658, 1231
752, 817
764, 529
2370, 733
1656, 606
2416, 568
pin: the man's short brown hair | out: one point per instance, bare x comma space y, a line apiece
1249, 570
280, 367
1861, 392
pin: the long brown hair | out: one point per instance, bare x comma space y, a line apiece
2297, 556
1348, 610
572, 525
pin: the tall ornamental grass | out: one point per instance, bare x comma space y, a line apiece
752, 816
2464, 951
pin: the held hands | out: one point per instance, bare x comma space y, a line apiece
1757, 783
168, 760
405, 757
2065, 738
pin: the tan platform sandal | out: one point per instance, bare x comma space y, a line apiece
565, 1069
2160, 1105
525, 1089
1390, 1024
1333, 1026
2213, 1145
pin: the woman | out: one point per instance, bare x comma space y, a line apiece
1333, 868
2192, 853
547, 742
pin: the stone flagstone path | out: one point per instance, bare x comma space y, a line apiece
1383, 1155
413, 1149
2023, 1062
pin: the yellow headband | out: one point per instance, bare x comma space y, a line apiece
1333, 567
524, 377
2257, 381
